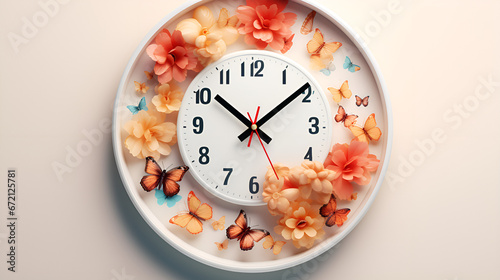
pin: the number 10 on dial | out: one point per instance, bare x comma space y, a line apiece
214, 128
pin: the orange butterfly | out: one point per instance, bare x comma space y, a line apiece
269, 243
308, 23
223, 245
158, 177
220, 223
333, 215
363, 101
224, 19
141, 87
197, 212
149, 75
369, 132
288, 44
342, 116
343, 91
242, 232
321, 52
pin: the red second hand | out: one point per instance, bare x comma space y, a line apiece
258, 136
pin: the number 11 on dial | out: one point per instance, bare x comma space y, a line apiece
294, 122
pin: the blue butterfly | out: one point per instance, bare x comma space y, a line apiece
141, 106
328, 70
161, 198
350, 66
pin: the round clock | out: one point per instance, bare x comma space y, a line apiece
215, 126
219, 100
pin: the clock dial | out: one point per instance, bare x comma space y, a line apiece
214, 127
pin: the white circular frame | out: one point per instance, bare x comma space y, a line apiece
231, 265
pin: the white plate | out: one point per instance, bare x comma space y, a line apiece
201, 247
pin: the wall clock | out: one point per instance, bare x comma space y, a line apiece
232, 114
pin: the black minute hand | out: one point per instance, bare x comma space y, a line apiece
241, 117
274, 111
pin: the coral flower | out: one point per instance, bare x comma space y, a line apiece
210, 36
149, 135
168, 98
302, 224
172, 57
313, 181
264, 23
351, 163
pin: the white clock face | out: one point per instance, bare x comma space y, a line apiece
213, 120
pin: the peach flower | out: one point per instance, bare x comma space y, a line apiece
172, 57
276, 194
351, 163
302, 223
210, 36
149, 134
168, 98
313, 181
264, 23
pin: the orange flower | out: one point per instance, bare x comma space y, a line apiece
302, 223
209, 36
275, 195
149, 135
264, 23
351, 163
168, 98
172, 57
313, 181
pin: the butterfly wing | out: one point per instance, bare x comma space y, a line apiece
268, 242
133, 109
308, 23
316, 63
371, 129
171, 201
354, 68
151, 181
288, 44
316, 43
341, 115
350, 120
170, 186
329, 208
223, 18
223, 245
359, 133
326, 71
326, 52
251, 236
347, 62
235, 231
365, 101
278, 245
181, 220
335, 94
149, 75
219, 224
341, 216
358, 101
138, 86
345, 91
194, 226
142, 104
202, 211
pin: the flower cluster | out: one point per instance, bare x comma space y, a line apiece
172, 56
210, 37
350, 163
168, 98
264, 23
149, 134
300, 191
